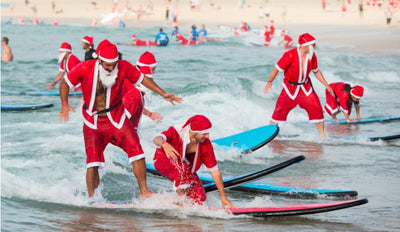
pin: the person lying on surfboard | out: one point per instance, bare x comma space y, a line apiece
180, 153
345, 96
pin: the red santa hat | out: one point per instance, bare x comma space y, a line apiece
88, 39
198, 124
306, 39
109, 53
133, 37
65, 47
101, 45
357, 91
146, 61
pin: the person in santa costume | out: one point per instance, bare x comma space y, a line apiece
138, 42
88, 46
182, 149
104, 115
67, 62
286, 40
134, 96
296, 64
345, 96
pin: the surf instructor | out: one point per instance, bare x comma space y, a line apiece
105, 120
296, 64
180, 153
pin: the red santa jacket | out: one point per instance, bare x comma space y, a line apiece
68, 64
204, 154
290, 64
86, 73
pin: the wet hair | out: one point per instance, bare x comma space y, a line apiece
5, 39
194, 27
161, 30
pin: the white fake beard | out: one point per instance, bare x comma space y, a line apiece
61, 57
108, 78
311, 52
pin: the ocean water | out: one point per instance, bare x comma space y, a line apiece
43, 161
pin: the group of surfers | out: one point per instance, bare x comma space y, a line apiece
114, 92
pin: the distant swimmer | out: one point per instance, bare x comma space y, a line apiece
345, 96
6, 55
67, 62
138, 42
194, 36
245, 27
296, 64
161, 38
175, 32
287, 41
203, 31
267, 36
88, 46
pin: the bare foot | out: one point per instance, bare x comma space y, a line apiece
323, 137
146, 193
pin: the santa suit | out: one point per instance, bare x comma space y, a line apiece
267, 37
139, 42
288, 41
341, 101
101, 130
182, 40
297, 88
133, 103
182, 172
68, 64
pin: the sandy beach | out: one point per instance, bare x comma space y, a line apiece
350, 30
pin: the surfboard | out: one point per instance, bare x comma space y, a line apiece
38, 93
240, 183
25, 107
361, 121
296, 209
264, 211
372, 139
251, 140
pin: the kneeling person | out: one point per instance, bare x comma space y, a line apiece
180, 153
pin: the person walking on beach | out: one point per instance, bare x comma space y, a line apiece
6, 54
67, 62
105, 120
161, 38
345, 96
181, 150
88, 46
296, 64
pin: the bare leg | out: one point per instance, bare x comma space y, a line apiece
139, 170
320, 127
92, 180
272, 123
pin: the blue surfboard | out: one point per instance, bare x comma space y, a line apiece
38, 93
250, 140
367, 120
376, 138
266, 188
25, 107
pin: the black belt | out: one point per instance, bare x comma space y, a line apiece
294, 83
105, 110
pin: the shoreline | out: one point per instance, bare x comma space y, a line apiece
347, 31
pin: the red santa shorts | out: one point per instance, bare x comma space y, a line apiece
133, 102
331, 105
310, 103
179, 173
96, 141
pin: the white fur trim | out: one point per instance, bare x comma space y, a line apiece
84, 40
215, 168
279, 68
182, 186
202, 132
316, 120
135, 158
359, 97
147, 65
95, 164
65, 50
276, 121
109, 60
308, 43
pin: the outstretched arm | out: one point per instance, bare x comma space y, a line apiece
272, 76
217, 177
321, 78
58, 78
65, 108
149, 83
